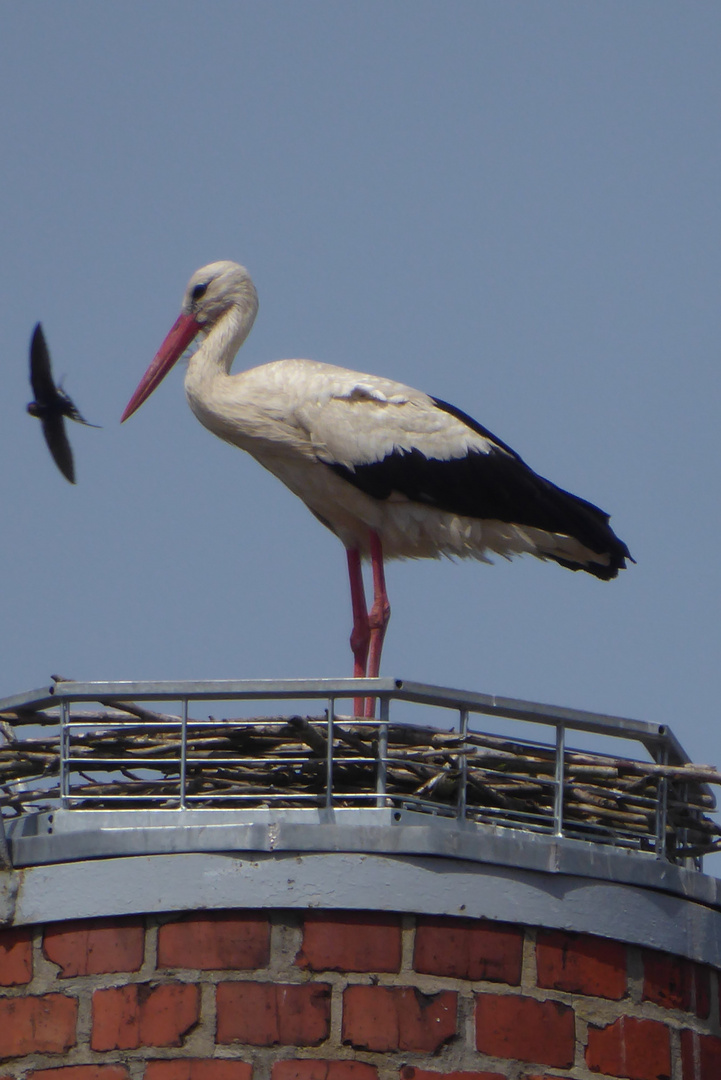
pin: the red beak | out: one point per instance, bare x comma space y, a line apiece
184, 330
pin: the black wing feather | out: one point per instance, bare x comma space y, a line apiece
59, 445
497, 486
41, 376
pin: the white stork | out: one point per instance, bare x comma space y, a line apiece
392, 472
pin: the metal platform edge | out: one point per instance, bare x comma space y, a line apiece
400, 881
110, 863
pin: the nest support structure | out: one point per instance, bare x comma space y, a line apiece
112, 753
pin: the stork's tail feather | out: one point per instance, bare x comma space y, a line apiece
587, 541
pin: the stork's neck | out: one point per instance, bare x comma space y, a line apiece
213, 359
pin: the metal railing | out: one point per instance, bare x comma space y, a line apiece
124, 755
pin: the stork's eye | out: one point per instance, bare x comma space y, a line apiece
199, 291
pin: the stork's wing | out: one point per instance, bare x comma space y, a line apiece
429, 452
377, 419
424, 450
58, 445
41, 376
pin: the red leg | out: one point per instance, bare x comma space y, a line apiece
360, 634
379, 615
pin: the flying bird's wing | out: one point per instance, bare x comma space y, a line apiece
59, 445
41, 376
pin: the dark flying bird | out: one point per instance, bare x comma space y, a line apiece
394, 473
51, 405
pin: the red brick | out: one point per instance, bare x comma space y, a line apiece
509, 1026
95, 946
265, 1014
469, 949
410, 1072
216, 940
676, 983
127, 1017
346, 941
198, 1069
81, 1072
639, 1049
37, 1025
16, 956
581, 964
539, 1076
398, 1018
323, 1070
700, 1055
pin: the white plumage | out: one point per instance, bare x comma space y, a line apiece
297, 417
393, 472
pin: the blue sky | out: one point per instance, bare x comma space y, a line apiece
512, 206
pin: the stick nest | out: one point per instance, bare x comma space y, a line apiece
128, 757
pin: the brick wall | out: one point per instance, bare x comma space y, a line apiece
247, 995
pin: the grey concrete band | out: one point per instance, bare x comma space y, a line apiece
357, 861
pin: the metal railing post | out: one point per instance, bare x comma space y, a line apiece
184, 755
662, 807
64, 752
463, 770
559, 780
329, 754
382, 771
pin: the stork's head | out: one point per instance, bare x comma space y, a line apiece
215, 290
